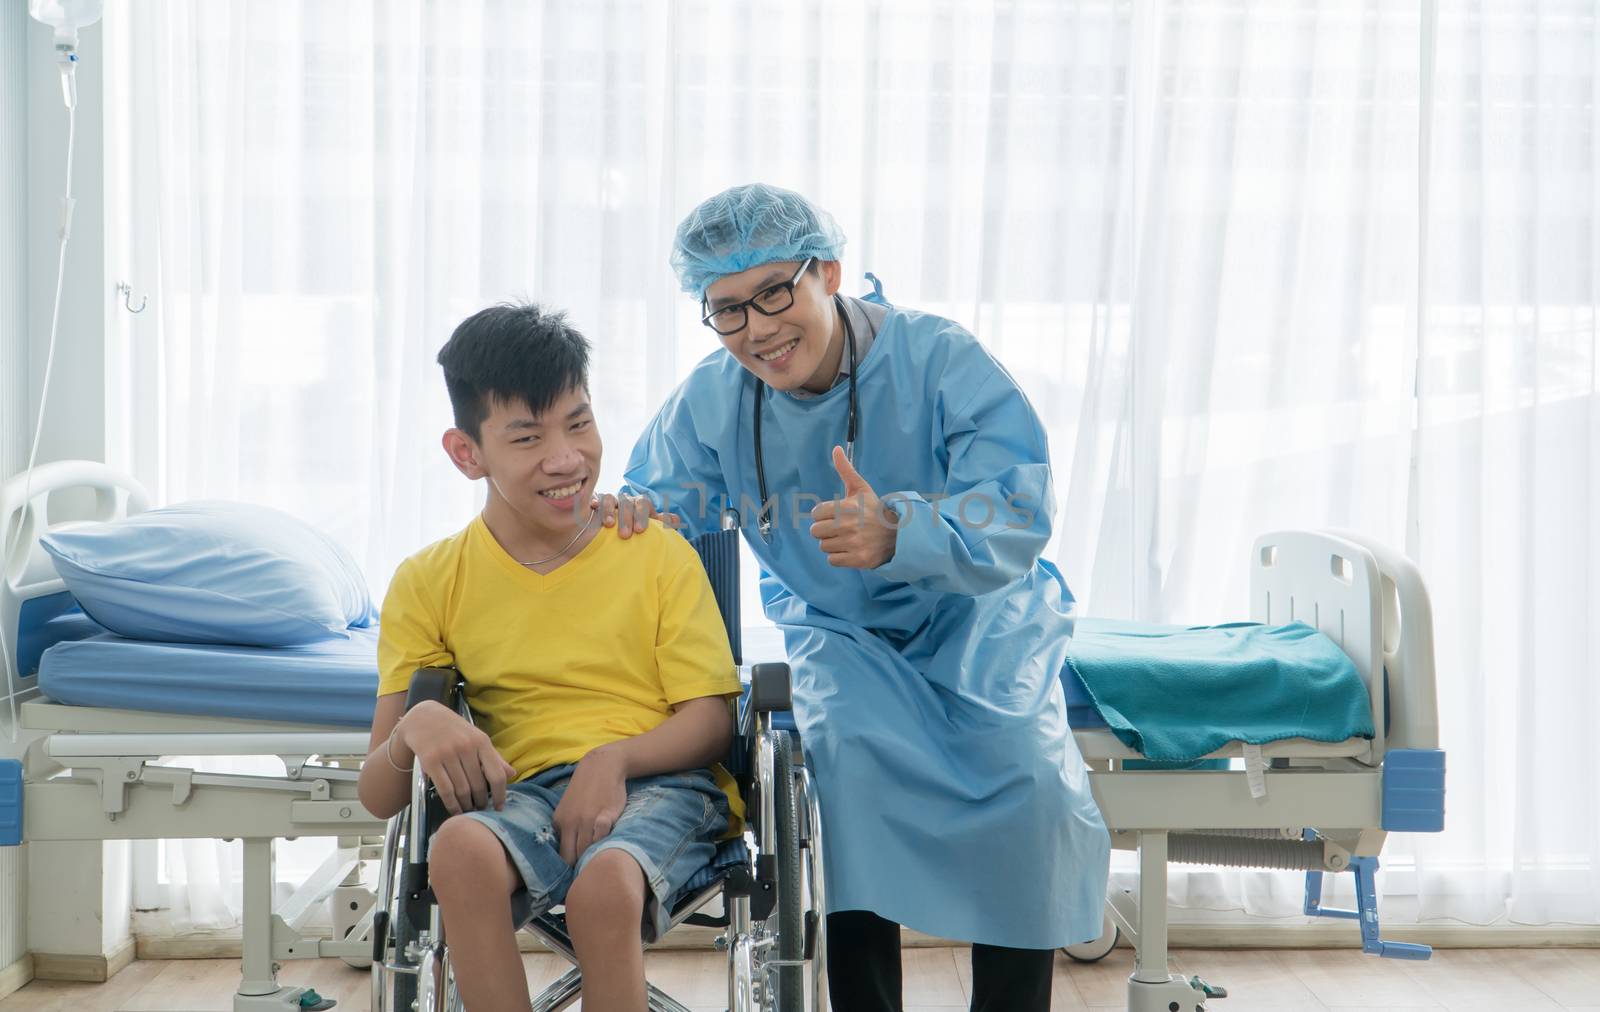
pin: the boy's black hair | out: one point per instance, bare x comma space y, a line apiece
511, 353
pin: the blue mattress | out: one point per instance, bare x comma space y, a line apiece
1177, 693
334, 682
45, 621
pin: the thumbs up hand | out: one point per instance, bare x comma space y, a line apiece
857, 530
854, 484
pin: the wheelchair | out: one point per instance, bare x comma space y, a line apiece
770, 879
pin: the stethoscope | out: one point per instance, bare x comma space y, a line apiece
764, 516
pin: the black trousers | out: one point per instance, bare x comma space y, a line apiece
864, 969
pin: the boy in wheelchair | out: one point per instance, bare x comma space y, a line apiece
598, 672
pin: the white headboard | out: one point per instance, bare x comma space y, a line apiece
25, 570
1407, 645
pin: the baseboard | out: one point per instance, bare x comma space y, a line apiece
17, 975
1346, 935
189, 946
120, 959
85, 968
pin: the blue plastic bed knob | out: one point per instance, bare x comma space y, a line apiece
1413, 790
10, 802
1405, 950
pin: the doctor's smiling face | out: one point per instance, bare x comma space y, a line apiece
788, 344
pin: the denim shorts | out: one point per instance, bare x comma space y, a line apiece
670, 826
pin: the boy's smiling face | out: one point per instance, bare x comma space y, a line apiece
543, 467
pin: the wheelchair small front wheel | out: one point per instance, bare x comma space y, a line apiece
1095, 949
741, 977
433, 985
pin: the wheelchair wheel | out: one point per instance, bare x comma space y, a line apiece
788, 980
1095, 949
397, 991
816, 892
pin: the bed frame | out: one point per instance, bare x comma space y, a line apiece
89, 773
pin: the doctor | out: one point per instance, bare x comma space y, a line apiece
895, 486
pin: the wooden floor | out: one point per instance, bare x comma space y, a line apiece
1458, 980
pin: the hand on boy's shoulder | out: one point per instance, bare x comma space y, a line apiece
632, 515
649, 535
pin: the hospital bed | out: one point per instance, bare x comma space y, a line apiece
90, 771
92, 748
1296, 804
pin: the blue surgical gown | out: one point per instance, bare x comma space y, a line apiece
954, 798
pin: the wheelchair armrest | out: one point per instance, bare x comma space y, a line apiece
769, 693
769, 687
435, 684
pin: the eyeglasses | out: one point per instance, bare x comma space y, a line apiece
770, 301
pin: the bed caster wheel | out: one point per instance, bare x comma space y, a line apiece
1096, 949
346, 907
356, 962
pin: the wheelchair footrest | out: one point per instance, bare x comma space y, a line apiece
706, 921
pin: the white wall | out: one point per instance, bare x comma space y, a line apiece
13, 365
75, 424
86, 912
116, 894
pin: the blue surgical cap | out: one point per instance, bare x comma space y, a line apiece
748, 226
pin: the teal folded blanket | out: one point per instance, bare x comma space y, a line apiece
1175, 694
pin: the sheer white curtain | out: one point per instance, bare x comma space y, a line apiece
1509, 480
1261, 377
1190, 229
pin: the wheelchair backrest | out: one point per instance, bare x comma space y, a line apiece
719, 553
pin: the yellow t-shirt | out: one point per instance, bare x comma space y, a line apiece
595, 651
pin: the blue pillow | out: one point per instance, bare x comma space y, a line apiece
213, 572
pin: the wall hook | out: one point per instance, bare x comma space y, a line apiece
127, 297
